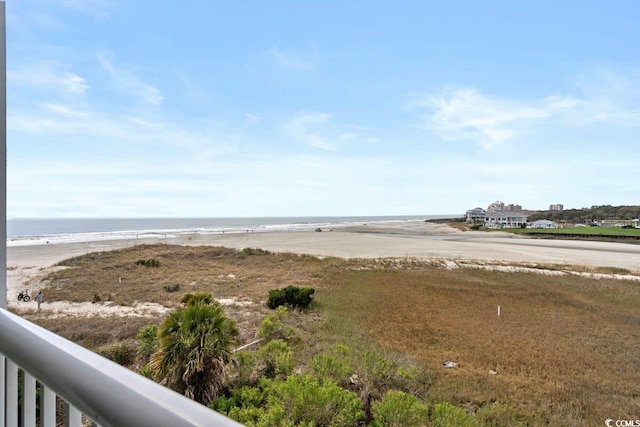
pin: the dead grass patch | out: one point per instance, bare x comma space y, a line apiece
560, 342
220, 271
565, 348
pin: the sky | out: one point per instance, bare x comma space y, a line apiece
295, 108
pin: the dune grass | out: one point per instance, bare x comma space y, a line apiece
566, 349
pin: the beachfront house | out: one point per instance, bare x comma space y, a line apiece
505, 220
476, 215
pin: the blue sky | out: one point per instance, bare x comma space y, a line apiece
288, 108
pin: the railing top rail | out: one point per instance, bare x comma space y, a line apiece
106, 392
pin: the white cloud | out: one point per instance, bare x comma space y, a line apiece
464, 113
59, 122
46, 75
106, 63
290, 60
468, 114
126, 79
301, 128
62, 109
319, 131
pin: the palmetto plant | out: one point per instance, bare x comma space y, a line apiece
196, 343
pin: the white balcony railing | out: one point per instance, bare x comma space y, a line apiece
108, 394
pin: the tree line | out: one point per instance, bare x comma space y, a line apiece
594, 213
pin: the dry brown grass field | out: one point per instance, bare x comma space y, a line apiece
565, 350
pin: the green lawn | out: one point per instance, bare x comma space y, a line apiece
587, 231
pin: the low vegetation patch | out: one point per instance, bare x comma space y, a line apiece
562, 352
148, 262
291, 296
172, 288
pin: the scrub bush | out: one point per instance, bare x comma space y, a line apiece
299, 400
292, 296
397, 408
447, 415
277, 358
148, 262
332, 365
147, 342
272, 326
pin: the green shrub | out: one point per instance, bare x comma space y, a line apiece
475, 227
146, 371
300, 400
309, 402
447, 415
247, 251
379, 372
245, 405
171, 288
147, 342
399, 409
96, 297
292, 296
333, 365
272, 326
123, 354
244, 369
197, 298
277, 358
148, 262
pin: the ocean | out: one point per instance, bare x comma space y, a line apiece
22, 232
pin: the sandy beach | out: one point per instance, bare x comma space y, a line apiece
28, 264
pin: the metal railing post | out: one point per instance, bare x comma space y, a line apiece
101, 390
73, 417
48, 407
11, 398
29, 400
2, 387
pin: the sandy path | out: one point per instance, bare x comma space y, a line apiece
28, 264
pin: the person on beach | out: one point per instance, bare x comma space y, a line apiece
39, 298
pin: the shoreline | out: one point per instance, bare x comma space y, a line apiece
27, 265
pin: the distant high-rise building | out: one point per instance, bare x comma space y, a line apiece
556, 207
512, 208
496, 206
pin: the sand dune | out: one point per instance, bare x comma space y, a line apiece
28, 264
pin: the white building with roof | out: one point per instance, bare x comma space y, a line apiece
505, 220
476, 215
543, 223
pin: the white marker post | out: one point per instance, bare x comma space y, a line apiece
498, 311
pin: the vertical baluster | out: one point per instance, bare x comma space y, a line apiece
48, 407
74, 417
12, 394
28, 400
2, 388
